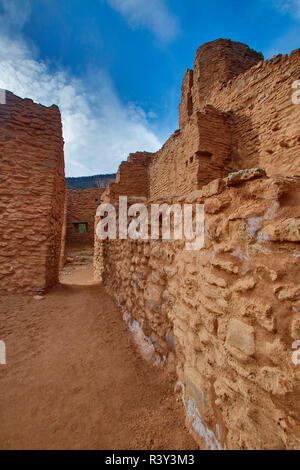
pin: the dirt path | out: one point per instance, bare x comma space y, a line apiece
74, 379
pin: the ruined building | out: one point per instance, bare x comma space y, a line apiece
226, 317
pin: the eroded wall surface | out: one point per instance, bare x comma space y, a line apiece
236, 112
32, 195
132, 178
81, 208
226, 316
264, 120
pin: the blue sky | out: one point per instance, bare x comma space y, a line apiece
115, 67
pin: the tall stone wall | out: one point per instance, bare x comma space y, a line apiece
225, 316
81, 208
236, 112
215, 64
32, 190
263, 120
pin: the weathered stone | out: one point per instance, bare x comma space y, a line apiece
215, 280
194, 195
198, 389
244, 284
264, 270
286, 230
288, 292
241, 336
170, 272
171, 340
38, 297
215, 205
213, 188
295, 327
263, 314
274, 380
227, 266
244, 175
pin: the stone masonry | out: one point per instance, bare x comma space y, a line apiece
32, 195
81, 208
224, 317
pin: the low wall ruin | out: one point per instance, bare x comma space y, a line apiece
225, 316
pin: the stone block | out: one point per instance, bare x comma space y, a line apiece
273, 380
244, 175
295, 327
241, 336
213, 188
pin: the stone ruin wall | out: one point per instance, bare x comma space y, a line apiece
224, 317
132, 178
264, 121
193, 156
201, 150
32, 189
81, 208
236, 116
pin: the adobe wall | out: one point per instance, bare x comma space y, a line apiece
32, 189
225, 316
81, 208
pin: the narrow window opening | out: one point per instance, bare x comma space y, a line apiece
81, 227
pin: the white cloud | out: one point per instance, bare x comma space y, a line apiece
150, 14
99, 131
291, 7
289, 40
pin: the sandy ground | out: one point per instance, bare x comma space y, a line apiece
74, 378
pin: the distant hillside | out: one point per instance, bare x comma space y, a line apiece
86, 182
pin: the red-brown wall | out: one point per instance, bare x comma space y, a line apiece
32, 195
